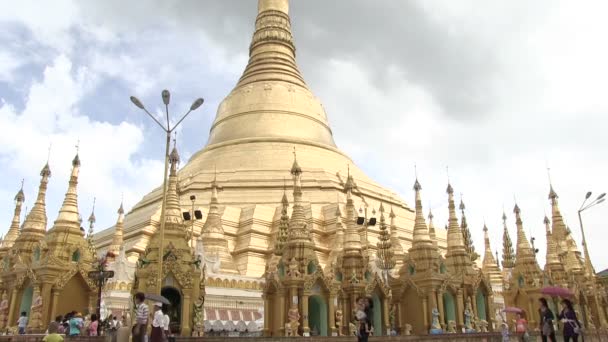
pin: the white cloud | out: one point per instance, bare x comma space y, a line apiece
107, 151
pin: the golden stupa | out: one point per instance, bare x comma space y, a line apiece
270, 112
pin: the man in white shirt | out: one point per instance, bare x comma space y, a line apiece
141, 311
22, 323
158, 323
166, 321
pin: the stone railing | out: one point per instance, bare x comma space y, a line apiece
595, 336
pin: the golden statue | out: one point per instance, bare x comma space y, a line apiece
339, 316
291, 327
36, 312
3, 310
352, 329
198, 328
408, 330
451, 327
293, 269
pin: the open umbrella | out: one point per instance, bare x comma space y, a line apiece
512, 309
157, 298
556, 291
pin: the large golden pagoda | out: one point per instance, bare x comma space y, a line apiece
270, 112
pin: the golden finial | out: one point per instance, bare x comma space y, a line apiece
48, 155
77, 145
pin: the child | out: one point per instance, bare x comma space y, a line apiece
53, 336
22, 323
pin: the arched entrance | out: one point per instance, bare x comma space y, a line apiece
26, 300
377, 315
74, 296
317, 315
174, 310
449, 307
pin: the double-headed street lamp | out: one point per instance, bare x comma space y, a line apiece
601, 198
168, 130
365, 222
192, 215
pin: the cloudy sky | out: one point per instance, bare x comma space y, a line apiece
498, 91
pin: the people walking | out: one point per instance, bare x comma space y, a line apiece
571, 325
22, 323
364, 318
546, 322
158, 323
93, 325
76, 324
142, 313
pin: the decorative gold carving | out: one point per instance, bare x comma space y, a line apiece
293, 322
339, 317
408, 330
451, 327
4, 311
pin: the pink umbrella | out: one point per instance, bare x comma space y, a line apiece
556, 291
512, 309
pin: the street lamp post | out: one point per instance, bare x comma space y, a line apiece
365, 222
100, 276
166, 96
192, 216
601, 198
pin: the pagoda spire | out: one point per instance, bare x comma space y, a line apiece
69, 208
272, 52
566, 246
397, 248
385, 252
489, 263
13, 232
92, 221
298, 227
422, 252
34, 225
466, 233
457, 257
338, 243
283, 230
212, 233
432, 233
172, 207
353, 262
508, 256
117, 239
524, 254
553, 266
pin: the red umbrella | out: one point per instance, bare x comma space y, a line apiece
512, 309
556, 291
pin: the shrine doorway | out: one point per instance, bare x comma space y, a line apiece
26, 300
480, 300
174, 310
317, 315
449, 307
377, 313
74, 296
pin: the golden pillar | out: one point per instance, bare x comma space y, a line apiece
530, 316
282, 318
387, 322
54, 301
425, 312
460, 309
305, 327
46, 306
12, 307
267, 322
399, 319
601, 319
441, 311
474, 304
186, 317
333, 302
432, 303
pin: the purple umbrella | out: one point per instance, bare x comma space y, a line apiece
512, 309
556, 291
